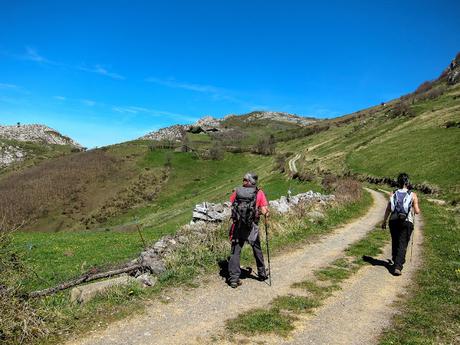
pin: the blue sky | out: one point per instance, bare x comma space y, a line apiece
108, 71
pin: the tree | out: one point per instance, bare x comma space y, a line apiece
216, 152
185, 143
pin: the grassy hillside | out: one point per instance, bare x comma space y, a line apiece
383, 141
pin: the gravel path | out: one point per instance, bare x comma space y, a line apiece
292, 165
194, 316
364, 307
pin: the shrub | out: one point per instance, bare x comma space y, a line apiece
402, 108
424, 87
452, 124
265, 146
216, 152
20, 322
346, 189
306, 176
280, 163
329, 182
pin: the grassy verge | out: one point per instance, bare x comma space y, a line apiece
432, 314
282, 311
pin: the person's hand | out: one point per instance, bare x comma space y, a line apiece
384, 225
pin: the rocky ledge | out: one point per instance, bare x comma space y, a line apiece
37, 134
211, 124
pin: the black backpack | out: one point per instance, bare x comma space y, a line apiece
244, 210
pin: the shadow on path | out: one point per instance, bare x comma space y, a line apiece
377, 262
246, 272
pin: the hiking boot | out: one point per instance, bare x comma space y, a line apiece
262, 277
397, 272
234, 285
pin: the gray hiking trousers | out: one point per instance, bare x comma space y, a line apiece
234, 263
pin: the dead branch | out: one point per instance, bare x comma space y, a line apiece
83, 279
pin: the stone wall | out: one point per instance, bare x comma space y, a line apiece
207, 217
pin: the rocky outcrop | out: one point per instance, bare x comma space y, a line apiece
276, 116
284, 204
10, 154
11, 150
171, 133
37, 134
211, 124
452, 73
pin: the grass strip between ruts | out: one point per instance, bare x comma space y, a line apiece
284, 308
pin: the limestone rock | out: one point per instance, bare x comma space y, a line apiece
210, 212
147, 279
36, 133
85, 293
284, 204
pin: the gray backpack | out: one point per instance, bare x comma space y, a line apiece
244, 211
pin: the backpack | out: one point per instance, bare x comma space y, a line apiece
244, 210
401, 203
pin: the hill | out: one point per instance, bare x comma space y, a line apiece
29, 144
241, 127
159, 179
418, 133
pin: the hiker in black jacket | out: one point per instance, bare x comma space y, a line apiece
401, 208
248, 203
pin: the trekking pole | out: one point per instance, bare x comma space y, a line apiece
412, 242
268, 253
140, 233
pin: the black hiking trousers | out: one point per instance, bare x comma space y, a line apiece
400, 237
234, 262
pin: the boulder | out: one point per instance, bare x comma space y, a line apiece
209, 212
85, 293
147, 280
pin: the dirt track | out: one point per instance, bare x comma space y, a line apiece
197, 315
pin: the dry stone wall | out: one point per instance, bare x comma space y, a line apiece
207, 217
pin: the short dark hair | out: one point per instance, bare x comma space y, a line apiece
403, 180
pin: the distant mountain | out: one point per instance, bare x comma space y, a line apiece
211, 124
23, 142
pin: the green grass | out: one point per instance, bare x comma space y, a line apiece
60, 256
262, 321
295, 304
431, 315
334, 274
318, 292
431, 155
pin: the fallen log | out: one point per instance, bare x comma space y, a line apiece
84, 279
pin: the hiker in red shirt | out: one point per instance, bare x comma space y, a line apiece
248, 203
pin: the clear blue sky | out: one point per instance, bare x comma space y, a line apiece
109, 71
